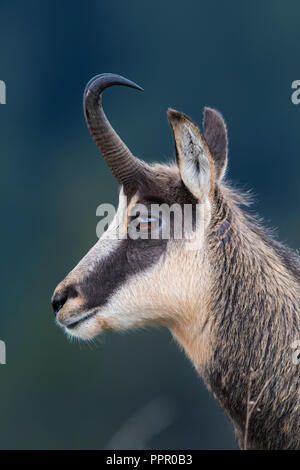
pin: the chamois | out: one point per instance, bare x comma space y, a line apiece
232, 302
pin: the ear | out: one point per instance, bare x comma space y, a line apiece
215, 134
192, 153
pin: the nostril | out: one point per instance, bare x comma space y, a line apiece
61, 298
58, 302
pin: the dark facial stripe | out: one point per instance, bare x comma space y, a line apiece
131, 257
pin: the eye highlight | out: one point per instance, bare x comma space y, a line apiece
142, 223
146, 223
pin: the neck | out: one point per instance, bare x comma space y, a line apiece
250, 320
255, 301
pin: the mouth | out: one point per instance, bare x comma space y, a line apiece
76, 323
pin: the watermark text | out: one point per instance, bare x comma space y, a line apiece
2, 352
2, 92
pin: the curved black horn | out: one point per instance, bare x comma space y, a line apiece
125, 167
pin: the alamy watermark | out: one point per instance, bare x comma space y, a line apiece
152, 221
2, 352
2, 92
295, 96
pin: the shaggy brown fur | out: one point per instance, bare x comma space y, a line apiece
254, 302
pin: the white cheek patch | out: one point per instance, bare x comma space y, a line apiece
194, 164
132, 303
156, 295
159, 295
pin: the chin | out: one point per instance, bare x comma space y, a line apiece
87, 326
85, 332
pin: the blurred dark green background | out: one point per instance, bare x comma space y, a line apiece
135, 389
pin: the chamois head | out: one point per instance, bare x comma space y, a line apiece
148, 273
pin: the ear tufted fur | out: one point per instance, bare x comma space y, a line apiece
215, 134
192, 153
